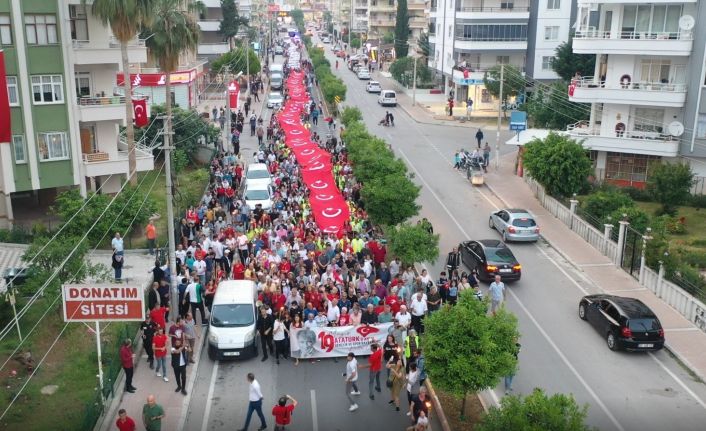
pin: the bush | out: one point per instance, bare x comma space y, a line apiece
640, 195
697, 259
669, 184
698, 201
689, 278
558, 163
351, 115
668, 225
639, 219
603, 203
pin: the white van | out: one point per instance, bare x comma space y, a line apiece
232, 332
277, 68
387, 98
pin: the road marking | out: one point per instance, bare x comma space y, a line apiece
209, 397
595, 264
626, 290
678, 380
314, 417
546, 336
689, 329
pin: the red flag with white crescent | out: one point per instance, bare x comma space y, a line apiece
5, 126
139, 108
233, 90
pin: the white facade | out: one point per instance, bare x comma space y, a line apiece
553, 25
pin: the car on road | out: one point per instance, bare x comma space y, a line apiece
355, 67
326, 40
373, 87
363, 73
276, 81
514, 224
274, 100
387, 98
490, 257
335, 48
626, 323
257, 175
341, 54
279, 50
233, 320
258, 195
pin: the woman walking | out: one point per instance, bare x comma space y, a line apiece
396, 380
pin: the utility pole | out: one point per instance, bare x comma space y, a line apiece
500, 108
247, 61
226, 139
174, 295
414, 83
350, 25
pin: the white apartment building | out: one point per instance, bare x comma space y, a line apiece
212, 43
478, 34
645, 92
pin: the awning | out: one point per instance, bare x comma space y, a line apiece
526, 136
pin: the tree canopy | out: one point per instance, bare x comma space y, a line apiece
550, 108
236, 61
670, 184
559, 163
231, 22
402, 29
412, 243
566, 63
514, 82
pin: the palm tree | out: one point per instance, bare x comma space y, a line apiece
125, 18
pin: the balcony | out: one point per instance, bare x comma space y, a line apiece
381, 23
590, 89
211, 3
592, 41
383, 8
418, 22
213, 48
209, 24
591, 2
102, 163
484, 12
432, 38
108, 52
634, 142
416, 6
468, 44
92, 109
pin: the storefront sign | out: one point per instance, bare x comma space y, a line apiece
337, 341
87, 303
157, 79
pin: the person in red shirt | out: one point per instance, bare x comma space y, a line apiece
159, 346
158, 315
375, 366
238, 270
283, 412
278, 300
127, 362
125, 422
394, 302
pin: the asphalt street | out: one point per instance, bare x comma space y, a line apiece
560, 353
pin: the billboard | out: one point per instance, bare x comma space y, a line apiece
87, 303
337, 341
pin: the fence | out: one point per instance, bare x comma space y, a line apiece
628, 257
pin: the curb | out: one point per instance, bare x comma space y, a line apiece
192, 379
437, 406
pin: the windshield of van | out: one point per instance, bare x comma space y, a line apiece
232, 315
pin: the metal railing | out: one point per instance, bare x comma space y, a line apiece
594, 82
491, 39
583, 128
493, 9
100, 100
593, 33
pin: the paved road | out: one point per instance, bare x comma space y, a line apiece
560, 352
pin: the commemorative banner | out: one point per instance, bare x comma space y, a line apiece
337, 341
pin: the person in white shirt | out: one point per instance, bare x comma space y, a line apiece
403, 317
117, 244
278, 335
351, 377
255, 403
310, 322
333, 313
180, 254
419, 310
200, 268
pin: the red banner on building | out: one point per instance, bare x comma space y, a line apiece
139, 108
157, 79
233, 90
85, 303
5, 125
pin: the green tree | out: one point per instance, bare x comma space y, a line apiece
189, 128
604, 203
423, 44
388, 37
537, 412
639, 219
402, 69
402, 29
125, 18
468, 350
412, 243
559, 163
542, 108
231, 22
298, 18
514, 82
670, 184
355, 43
566, 63
390, 199
350, 115
236, 61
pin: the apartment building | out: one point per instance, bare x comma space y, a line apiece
646, 91
66, 111
382, 17
468, 37
212, 44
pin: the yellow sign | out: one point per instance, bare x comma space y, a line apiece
337, 99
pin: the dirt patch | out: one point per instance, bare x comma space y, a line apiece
452, 408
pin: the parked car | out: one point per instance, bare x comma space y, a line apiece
363, 73
356, 67
387, 98
627, 323
373, 87
341, 54
274, 100
490, 257
514, 225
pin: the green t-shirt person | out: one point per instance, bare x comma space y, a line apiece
152, 415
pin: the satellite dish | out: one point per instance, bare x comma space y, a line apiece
676, 128
687, 22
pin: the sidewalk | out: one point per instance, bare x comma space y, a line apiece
683, 338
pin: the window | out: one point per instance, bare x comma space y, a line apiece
502, 59
651, 20
507, 5
628, 167
553, 4
53, 146
649, 120
450, 31
547, 62
47, 89
79, 22
701, 127
40, 29
83, 84
18, 147
551, 33
492, 32
12, 92
5, 30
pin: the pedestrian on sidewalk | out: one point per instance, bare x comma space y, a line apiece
117, 264
152, 414
412, 381
127, 360
469, 108
283, 412
486, 157
147, 331
509, 377
125, 422
151, 234
191, 335
159, 345
254, 403
179, 355
497, 294
351, 378
375, 366
479, 137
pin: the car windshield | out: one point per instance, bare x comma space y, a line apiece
500, 255
275, 96
643, 324
232, 315
524, 222
257, 195
258, 174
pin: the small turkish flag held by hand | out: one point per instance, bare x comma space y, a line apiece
233, 90
139, 108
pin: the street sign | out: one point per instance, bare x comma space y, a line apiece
518, 121
337, 99
93, 303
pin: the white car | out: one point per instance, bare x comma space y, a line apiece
275, 100
373, 87
261, 195
257, 176
387, 98
363, 73
326, 40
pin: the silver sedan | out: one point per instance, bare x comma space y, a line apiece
514, 225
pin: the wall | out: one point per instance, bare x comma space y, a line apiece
539, 47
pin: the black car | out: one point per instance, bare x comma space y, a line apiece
490, 257
17, 276
627, 323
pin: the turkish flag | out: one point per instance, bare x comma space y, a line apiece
233, 90
465, 74
572, 88
5, 127
139, 109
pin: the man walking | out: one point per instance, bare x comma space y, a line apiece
497, 294
486, 157
125, 422
453, 260
283, 412
147, 330
479, 137
265, 326
126, 358
151, 234
351, 377
254, 403
375, 366
152, 414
